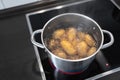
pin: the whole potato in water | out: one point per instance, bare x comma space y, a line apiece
71, 33
68, 47
82, 48
91, 51
89, 40
75, 42
74, 57
81, 35
53, 43
60, 53
58, 33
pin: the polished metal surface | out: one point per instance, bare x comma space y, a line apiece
104, 74
81, 23
116, 3
36, 52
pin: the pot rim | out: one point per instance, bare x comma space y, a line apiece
77, 14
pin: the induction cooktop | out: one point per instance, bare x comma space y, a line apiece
107, 60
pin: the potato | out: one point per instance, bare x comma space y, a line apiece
89, 40
81, 35
75, 57
63, 37
58, 33
71, 43
74, 42
60, 53
53, 43
68, 48
91, 51
71, 34
82, 48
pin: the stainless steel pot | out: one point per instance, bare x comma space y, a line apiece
81, 22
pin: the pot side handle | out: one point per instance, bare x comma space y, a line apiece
33, 38
111, 39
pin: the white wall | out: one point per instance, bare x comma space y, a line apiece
1, 5
14, 3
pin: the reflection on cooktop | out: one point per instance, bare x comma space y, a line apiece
53, 73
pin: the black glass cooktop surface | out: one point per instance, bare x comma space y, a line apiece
101, 11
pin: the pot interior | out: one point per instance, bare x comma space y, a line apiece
80, 22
